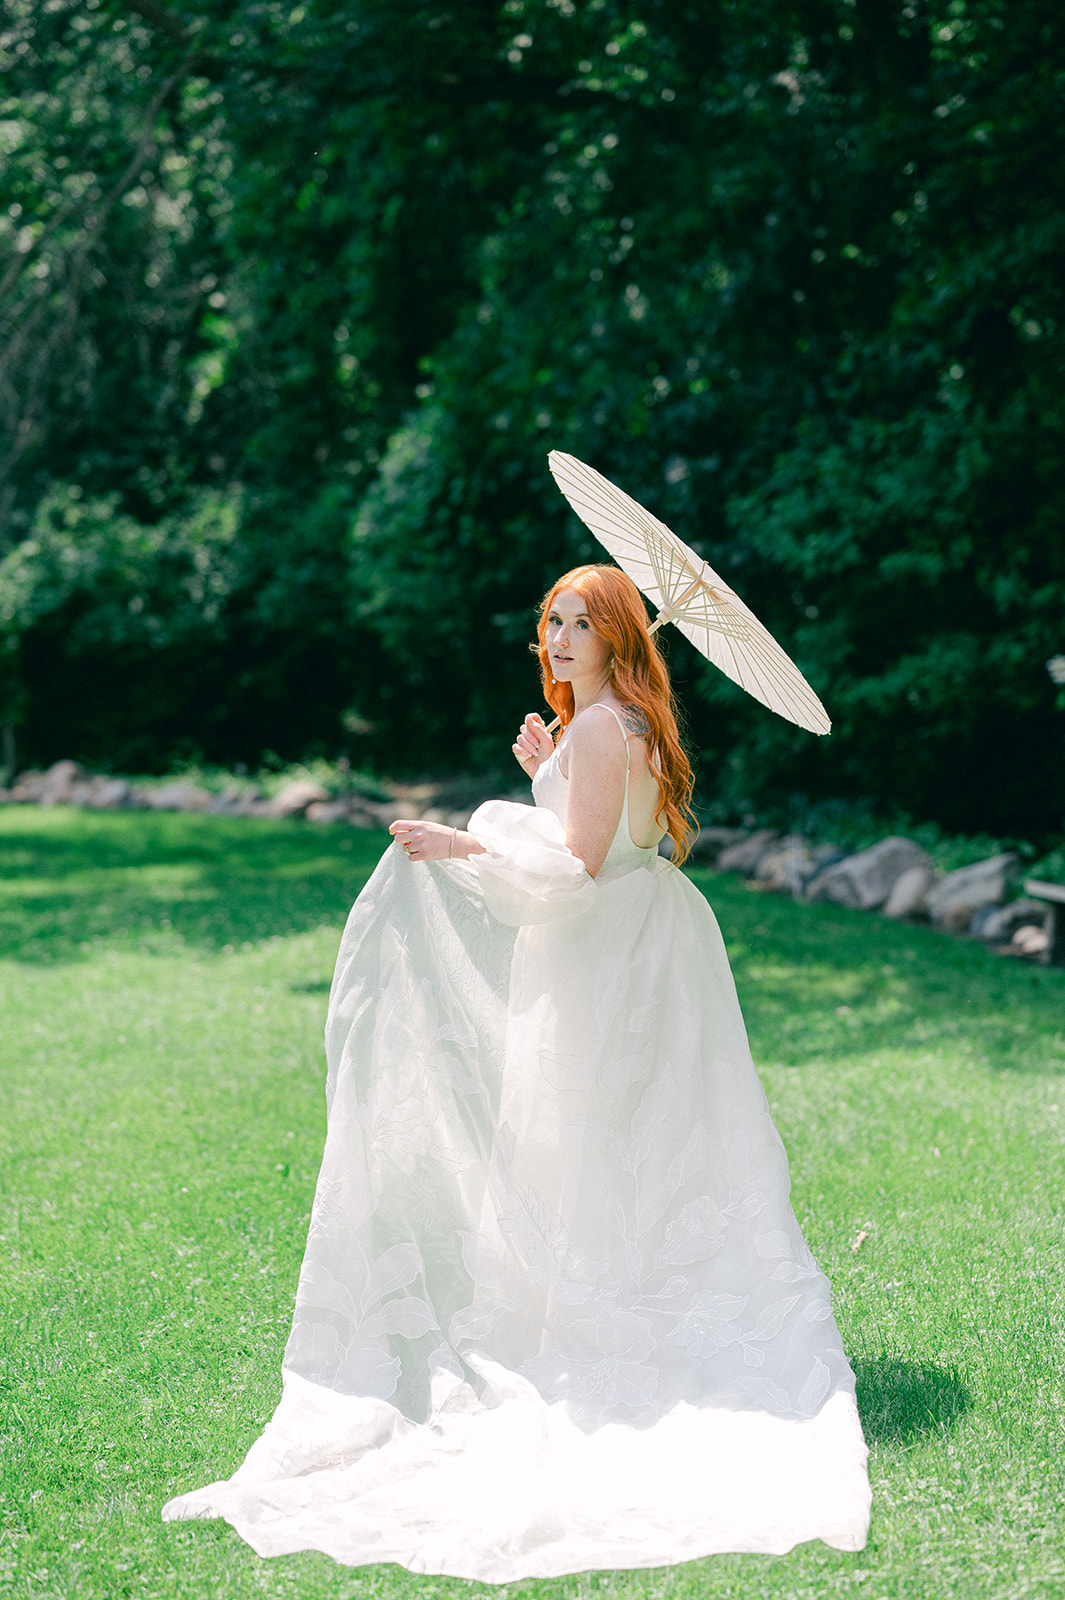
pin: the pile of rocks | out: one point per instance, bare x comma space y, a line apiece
67, 783
894, 876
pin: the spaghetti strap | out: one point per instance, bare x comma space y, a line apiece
621, 725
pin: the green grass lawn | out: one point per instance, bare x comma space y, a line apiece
163, 984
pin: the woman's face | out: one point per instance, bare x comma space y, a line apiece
576, 652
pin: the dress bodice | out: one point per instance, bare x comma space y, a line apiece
551, 789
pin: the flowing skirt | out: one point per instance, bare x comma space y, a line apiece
556, 1312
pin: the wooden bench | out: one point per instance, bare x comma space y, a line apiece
1053, 894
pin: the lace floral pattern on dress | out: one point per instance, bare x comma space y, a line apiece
552, 1221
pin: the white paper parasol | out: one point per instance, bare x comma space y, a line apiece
689, 593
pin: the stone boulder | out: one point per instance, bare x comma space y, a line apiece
102, 793
231, 801
382, 813
60, 784
80, 791
788, 865
177, 796
953, 900
998, 924
66, 783
295, 797
1030, 941
745, 855
909, 892
325, 811
709, 843
865, 880
254, 805
27, 787
359, 813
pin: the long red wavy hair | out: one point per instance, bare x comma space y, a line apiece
638, 676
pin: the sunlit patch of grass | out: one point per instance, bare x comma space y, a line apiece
74, 880
163, 982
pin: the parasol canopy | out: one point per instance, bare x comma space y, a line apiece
689, 593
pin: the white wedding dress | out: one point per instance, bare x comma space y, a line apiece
556, 1312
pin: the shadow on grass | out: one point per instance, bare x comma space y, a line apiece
818, 984
900, 1401
823, 984
71, 881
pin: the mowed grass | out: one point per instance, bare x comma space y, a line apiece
163, 985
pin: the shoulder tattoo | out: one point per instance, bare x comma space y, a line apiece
635, 721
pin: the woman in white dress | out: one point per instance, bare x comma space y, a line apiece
556, 1312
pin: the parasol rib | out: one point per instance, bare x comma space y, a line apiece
685, 590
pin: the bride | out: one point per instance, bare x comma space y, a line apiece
556, 1312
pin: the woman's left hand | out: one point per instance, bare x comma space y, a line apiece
425, 841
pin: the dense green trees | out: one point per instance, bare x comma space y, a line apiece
297, 298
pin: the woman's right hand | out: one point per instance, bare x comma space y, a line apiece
533, 746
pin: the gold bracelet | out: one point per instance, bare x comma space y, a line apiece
454, 836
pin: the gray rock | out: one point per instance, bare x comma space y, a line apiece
909, 892
179, 796
254, 805
105, 794
709, 843
786, 865
826, 855
952, 901
325, 811
231, 801
1030, 941
790, 864
419, 795
68, 784
745, 855
998, 924
27, 788
382, 813
863, 881
59, 786
359, 814
295, 797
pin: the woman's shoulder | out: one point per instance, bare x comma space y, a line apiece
632, 719
606, 739
595, 735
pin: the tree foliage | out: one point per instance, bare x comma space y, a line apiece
300, 297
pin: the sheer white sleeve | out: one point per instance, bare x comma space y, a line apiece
527, 874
